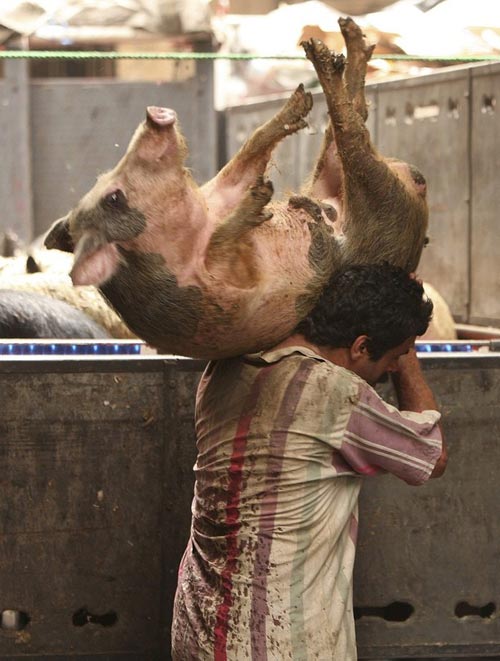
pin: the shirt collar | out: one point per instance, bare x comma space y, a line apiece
274, 355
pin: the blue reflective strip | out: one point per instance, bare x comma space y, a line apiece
19, 349
448, 348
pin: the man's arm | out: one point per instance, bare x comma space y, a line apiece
414, 394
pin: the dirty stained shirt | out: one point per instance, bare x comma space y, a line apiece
283, 438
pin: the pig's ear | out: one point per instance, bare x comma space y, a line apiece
158, 118
59, 237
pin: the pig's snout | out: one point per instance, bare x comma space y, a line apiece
59, 237
161, 116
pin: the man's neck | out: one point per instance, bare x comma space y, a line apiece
337, 356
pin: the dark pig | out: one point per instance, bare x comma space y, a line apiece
27, 315
217, 271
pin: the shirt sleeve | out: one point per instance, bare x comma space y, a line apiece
380, 438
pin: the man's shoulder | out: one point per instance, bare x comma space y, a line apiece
324, 378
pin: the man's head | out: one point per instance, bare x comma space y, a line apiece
375, 311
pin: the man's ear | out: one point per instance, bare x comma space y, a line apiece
359, 348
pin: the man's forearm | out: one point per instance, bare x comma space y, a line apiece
412, 390
414, 394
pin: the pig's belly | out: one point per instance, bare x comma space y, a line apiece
203, 323
250, 328
210, 314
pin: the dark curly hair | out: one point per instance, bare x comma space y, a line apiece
377, 300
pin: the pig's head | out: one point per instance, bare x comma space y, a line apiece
131, 206
410, 175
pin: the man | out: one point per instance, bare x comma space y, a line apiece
283, 438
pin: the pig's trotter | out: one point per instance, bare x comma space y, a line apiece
253, 157
230, 254
329, 68
327, 64
260, 195
359, 52
291, 116
250, 212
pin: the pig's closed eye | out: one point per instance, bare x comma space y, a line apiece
116, 199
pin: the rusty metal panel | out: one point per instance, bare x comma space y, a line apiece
94, 510
432, 551
425, 121
15, 179
485, 159
81, 127
80, 511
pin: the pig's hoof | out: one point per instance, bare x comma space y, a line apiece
338, 62
301, 100
295, 109
315, 50
262, 191
260, 194
354, 38
324, 60
350, 30
310, 207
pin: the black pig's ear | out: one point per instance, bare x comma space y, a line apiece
59, 237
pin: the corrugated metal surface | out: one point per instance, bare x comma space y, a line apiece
15, 170
435, 547
425, 121
485, 159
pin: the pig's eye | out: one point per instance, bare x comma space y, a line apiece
116, 199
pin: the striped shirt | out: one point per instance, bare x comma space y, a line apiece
283, 437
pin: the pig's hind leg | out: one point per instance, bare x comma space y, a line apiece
327, 180
359, 53
381, 219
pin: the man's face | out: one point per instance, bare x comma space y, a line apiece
372, 371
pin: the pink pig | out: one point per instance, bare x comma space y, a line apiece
219, 270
